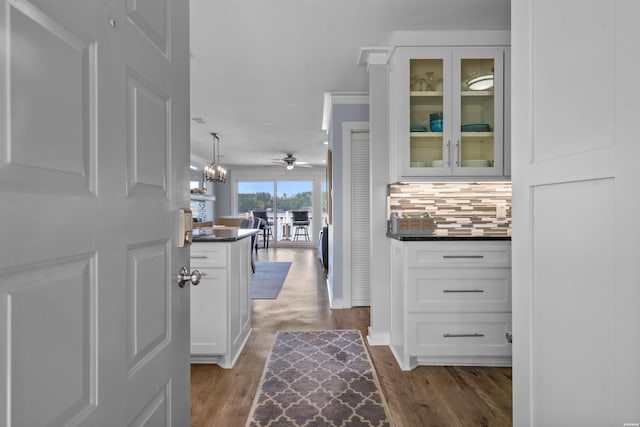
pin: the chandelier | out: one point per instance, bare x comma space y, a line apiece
214, 172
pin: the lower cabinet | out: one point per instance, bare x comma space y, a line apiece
220, 304
451, 303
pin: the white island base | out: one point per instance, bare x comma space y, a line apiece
220, 304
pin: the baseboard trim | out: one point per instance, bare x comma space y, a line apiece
334, 303
378, 338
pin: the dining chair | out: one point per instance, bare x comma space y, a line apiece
266, 227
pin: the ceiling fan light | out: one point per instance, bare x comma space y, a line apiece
482, 82
290, 166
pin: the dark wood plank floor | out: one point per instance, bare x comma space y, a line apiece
425, 397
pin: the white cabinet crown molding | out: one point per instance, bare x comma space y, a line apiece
373, 56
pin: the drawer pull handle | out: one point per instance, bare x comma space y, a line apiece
462, 335
463, 256
199, 257
447, 291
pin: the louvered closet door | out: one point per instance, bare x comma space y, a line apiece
360, 220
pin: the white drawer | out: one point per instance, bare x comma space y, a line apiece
458, 290
458, 334
209, 255
459, 254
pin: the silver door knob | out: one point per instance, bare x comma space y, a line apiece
185, 277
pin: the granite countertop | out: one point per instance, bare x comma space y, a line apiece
222, 234
440, 237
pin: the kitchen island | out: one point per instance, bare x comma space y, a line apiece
220, 304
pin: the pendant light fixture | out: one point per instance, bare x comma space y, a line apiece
214, 172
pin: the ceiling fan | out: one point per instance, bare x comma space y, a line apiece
290, 162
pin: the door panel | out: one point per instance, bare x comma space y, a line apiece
37, 42
148, 304
95, 329
148, 112
151, 17
573, 281
33, 295
575, 247
157, 412
563, 69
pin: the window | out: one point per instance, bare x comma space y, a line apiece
279, 199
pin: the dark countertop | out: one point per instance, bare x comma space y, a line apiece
409, 238
223, 234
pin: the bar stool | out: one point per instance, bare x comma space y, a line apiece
301, 225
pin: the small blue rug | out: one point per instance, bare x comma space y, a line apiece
268, 279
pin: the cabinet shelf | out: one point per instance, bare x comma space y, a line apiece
425, 93
477, 134
426, 134
439, 134
477, 93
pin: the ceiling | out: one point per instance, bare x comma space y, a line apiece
260, 68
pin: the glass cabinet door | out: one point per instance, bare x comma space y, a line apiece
425, 116
428, 122
449, 110
478, 113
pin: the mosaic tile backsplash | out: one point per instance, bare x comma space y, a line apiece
457, 208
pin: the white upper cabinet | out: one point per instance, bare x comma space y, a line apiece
448, 109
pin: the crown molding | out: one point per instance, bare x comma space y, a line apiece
333, 98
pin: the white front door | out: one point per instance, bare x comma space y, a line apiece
576, 200
94, 149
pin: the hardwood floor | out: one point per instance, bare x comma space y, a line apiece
425, 397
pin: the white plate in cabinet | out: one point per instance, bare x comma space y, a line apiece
208, 255
459, 334
209, 313
458, 290
457, 254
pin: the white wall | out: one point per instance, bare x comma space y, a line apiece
380, 329
340, 113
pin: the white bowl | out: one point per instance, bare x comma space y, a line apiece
436, 163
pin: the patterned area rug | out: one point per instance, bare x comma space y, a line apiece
319, 378
268, 279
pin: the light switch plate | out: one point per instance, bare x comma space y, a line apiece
185, 232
